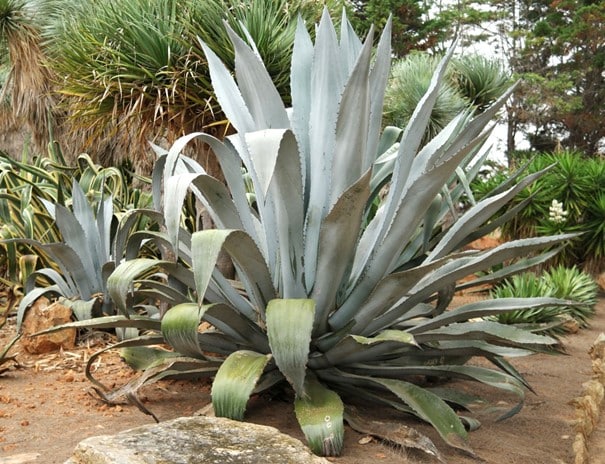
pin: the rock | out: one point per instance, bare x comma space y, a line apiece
195, 440
484, 243
43, 316
588, 407
25, 458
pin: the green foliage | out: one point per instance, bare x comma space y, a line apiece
413, 29
338, 299
480, 80
125, 69
527, 285
491, 175
128, 71
564, 58
579, 184
410, 79
570, 284
473, 82
12, 15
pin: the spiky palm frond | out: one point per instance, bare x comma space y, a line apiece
127, 76
410, 79
481, 80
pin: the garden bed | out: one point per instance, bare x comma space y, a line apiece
46, 407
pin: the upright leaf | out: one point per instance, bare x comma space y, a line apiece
289, 327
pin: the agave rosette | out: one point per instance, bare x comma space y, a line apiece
337, 298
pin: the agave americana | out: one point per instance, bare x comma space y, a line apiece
332, 295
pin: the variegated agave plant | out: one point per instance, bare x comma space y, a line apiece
332, 296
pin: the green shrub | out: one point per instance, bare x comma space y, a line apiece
570, 284
578, 184
473, 82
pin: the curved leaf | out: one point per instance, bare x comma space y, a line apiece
121, 279
432, 409
355, 348
235, 382
320, 415
180, 328
485, 330
253, 272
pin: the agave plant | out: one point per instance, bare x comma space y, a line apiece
571, 284
25, 186
87, 248
333, 298
576, 286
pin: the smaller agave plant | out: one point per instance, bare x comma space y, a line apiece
334, 297
88, 249
571, 284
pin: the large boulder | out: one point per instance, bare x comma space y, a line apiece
195, 440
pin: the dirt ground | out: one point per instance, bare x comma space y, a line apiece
46, 408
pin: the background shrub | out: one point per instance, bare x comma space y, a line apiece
559, 282
578, 183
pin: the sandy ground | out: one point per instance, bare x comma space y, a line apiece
46, 408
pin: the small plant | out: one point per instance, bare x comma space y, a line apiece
27, 187
576, 286
570, 284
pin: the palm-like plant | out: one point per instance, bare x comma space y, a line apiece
28, 81
578, 184
128, 73
337, 302
479, 79
473, 82
411, 78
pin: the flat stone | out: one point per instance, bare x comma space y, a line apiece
195, 440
